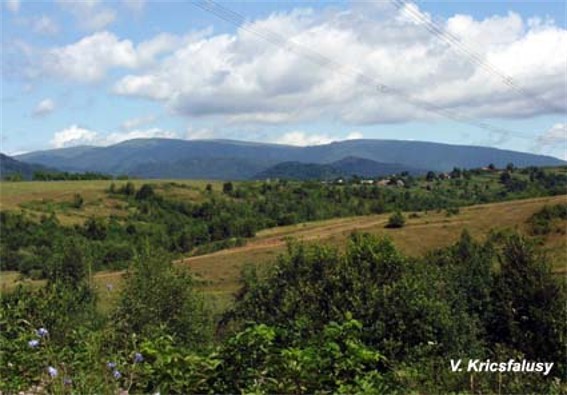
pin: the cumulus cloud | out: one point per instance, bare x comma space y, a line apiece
248, 80
89, 59
303, 139
369, 64
73, 135
116, 137
44, 107
76, 135
89, 14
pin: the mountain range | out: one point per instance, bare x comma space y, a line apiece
238, 160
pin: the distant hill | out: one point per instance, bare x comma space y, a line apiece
342, 168
299, 171
237, 160
10, 166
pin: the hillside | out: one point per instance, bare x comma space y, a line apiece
10, 166
226, 159
346, 167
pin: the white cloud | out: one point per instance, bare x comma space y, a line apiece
137, 122
89, 59
12, 5
554, 136
116, 137
243, 78
44, 107
44, 25
354, 136
303, 139
76, 135
73, 135
90, 15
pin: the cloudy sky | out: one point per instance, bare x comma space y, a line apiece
300, 72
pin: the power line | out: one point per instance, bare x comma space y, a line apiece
472, 55
278, 40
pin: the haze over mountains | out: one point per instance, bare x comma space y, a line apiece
238, 160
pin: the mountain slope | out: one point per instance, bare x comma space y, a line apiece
343, 168
10, 166
226, 159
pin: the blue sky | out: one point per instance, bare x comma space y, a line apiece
95, 72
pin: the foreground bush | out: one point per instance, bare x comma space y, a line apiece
366, 320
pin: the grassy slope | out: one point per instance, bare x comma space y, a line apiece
40, 197
220, 271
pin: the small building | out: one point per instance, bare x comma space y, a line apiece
367, 182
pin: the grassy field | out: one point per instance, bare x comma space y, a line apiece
219, 272
42, 197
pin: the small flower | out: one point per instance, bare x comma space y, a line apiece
33, 343
117, 374
111, 365
138, 358
52, 371
67, 381
42, 332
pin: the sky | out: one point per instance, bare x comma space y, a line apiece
293, 72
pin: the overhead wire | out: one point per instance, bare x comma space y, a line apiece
472, 56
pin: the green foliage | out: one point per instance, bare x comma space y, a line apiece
227, 187
146, 192
77, 201
157, 295
541, 223
396, 220
43, 175
469, 300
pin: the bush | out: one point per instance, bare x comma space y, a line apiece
396, 220
77, 201
157, 297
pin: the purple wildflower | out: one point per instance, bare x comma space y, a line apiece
42, 332
138, 358
117, 374
52, 371
33, 343
111, 365
67, 381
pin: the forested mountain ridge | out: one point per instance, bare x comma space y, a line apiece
236, 160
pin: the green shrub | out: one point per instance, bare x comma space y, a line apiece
396, 220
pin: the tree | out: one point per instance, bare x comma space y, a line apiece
146, 192
431, 176
77, 201
159, 298
227, 188
396, 220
